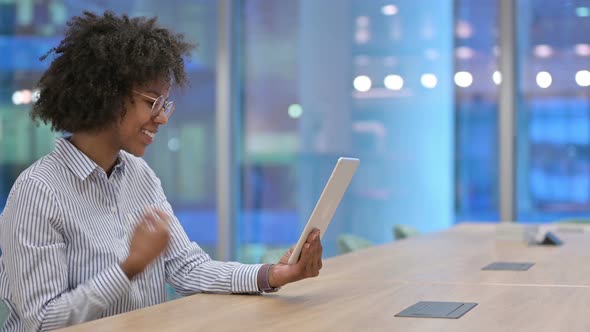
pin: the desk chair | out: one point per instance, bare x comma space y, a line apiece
349, 243
171, 294
3, 314
573, 221
273, 256
251, 253
401, 231
3, 310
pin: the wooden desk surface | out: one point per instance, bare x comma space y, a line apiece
344, 305
363, 291
458, 255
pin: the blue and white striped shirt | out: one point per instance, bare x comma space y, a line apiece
66, 228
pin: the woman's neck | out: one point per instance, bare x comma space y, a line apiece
98, 147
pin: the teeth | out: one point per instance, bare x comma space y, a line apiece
149, 133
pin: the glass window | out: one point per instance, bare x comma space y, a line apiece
553, 163
180, 156
268, 219
324, 79
476, 81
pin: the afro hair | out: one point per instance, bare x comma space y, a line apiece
98, 63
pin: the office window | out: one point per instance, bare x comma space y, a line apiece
476, 79
182, 154
324, 79
553, 165
268, 219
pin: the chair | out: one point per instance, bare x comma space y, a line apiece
573, 221
171, 294
401, 231
349, 243
251, 253
3, 314
273, 255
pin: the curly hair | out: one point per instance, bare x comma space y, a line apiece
97, 64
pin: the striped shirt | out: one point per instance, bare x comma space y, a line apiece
65, 229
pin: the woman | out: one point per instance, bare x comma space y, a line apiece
87, 231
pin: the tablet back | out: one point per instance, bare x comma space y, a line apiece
328, 202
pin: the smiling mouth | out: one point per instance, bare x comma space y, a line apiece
149, 133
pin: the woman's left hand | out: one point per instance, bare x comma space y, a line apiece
308, 266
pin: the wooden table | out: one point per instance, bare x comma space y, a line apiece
458, 255
363, 291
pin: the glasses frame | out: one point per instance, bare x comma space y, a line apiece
159, 104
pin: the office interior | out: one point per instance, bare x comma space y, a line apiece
280, 89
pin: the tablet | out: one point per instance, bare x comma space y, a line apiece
328, 202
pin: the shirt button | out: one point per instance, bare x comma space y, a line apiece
114, 209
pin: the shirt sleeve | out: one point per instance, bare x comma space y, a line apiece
190, 270
31, 233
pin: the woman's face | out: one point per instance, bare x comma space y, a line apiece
138, 128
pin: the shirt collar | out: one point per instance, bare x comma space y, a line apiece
78, 162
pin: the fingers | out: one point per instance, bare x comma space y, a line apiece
316, 260
148, 223
315, 234
163, 216
155, 220
311, 256
150, 239
312, 238
285, 258
313, 241
153, 230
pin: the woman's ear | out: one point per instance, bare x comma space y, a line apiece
128, 104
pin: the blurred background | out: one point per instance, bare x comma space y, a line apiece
409, 87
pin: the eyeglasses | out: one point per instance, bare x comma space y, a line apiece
159, 104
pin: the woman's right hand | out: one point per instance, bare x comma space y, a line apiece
149, 240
